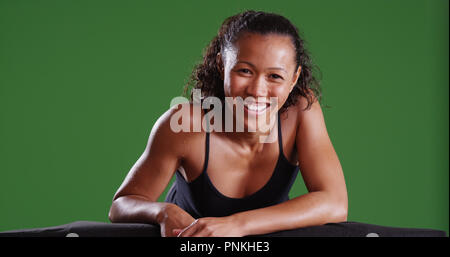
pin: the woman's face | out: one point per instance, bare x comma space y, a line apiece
260, 68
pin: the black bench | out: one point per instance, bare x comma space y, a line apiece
101, 229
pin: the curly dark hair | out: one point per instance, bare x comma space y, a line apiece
207, 77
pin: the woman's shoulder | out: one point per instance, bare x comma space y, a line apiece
185, 118
295, 110
180, 123
305, 104
167, 135
301, 110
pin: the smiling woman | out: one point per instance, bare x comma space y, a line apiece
231, 183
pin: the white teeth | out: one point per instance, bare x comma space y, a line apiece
256, 107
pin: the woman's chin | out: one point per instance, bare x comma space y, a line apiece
260, 124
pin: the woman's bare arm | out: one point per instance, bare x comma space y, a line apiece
136, 199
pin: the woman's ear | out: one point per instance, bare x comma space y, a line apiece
220, 66
296, 76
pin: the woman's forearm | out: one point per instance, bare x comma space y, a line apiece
315, 208
138, 209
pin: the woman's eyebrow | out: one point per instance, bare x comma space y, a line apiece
270, 68
249, 63
277, 68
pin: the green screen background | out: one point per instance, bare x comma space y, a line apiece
83, 82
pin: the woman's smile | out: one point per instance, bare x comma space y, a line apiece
256, 108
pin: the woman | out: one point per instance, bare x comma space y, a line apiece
234, 183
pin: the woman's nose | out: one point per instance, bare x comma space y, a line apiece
257, 87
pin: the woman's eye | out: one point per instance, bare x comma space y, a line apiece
247, 71
275, 76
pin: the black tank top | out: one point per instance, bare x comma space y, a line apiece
201, 199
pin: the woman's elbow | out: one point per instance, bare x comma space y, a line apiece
340, 211
341, 215
112, 214
337, 208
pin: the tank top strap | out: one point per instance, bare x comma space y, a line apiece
280, 138
205, 164
207, 133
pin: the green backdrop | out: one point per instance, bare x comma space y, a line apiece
83, 82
